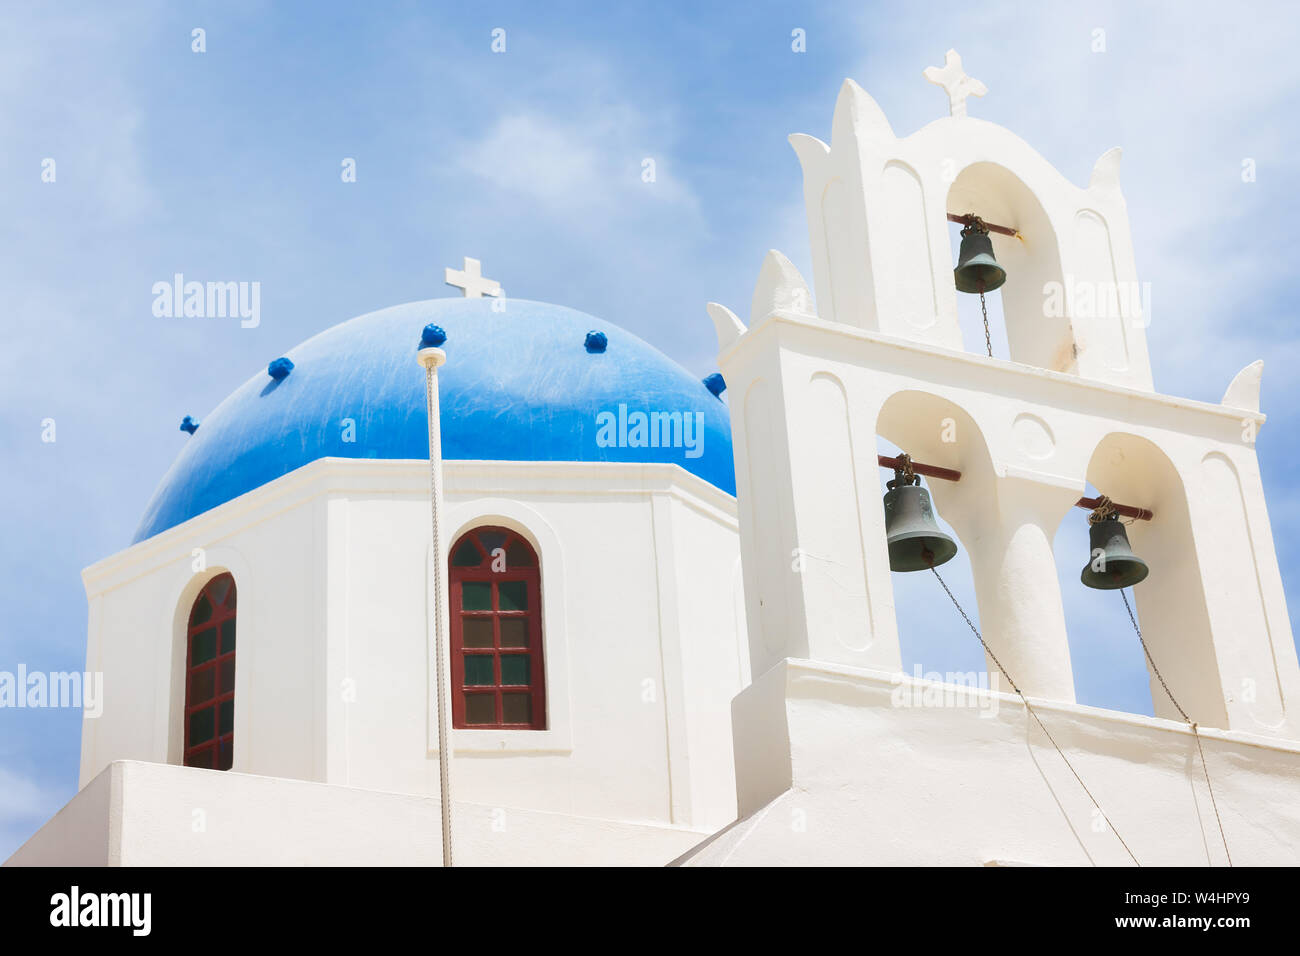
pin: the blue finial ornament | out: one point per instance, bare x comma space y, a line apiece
279, 369
189, 424
596, 341
715, 383
432, 337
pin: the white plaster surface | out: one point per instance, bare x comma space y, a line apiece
180, 816
832, 772
643, 646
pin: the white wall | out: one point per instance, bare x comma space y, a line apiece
179, 816
835, 770
140, 601
80, 834
643, 642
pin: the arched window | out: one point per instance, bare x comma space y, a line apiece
497, 678
210, 677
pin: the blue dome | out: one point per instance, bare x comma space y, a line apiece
519, 385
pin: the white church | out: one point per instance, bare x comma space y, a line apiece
667, 620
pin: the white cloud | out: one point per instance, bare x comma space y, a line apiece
584, 169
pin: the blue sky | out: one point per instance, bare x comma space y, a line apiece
225, 166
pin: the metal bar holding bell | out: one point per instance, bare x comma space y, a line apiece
930, 471
1128, 511
968, 218
951, 474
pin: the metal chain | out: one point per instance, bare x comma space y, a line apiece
988, 340
1191, 723
1147, 652
974, 630
974, 224
1023, 699
444, 758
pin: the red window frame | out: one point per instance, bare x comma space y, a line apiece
523, 567
210, 681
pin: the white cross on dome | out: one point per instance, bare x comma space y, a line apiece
471, 280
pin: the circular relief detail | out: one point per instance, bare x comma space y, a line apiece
1033, 436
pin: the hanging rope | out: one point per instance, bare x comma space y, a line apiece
904, 473
435, 464
1191, 723
1105, 508
993, 657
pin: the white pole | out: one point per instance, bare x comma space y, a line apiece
431, 358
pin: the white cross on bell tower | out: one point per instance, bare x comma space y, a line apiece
952, 77
471, 280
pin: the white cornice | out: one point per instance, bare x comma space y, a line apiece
407, 477
831, 674
1005, 377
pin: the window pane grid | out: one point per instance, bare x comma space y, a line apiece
209, 709
497, 673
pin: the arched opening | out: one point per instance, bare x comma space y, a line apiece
932, 636
209, 713
498, 679
1169, 605
1110, 670
1021, 323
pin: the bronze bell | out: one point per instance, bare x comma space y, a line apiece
915, 541
1112, 563
977, 270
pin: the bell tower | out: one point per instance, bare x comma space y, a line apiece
877, 221
880, 354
